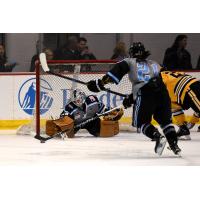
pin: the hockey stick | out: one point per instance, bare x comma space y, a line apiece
45, 67
43, 139
97, 116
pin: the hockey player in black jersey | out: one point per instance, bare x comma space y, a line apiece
82, 109
150, 96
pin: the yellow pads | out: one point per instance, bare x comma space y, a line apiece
65, 124
179, 118
109, 128
194, 119
114, 115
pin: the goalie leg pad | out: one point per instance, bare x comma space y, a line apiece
51, 128
109, 128
65, 124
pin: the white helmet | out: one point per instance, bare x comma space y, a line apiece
78, 97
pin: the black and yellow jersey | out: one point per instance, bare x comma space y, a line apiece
177, 83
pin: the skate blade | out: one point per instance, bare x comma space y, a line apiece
185, 137
160, 150
179, 154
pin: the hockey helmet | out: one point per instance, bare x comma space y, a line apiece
78, 97
137, 50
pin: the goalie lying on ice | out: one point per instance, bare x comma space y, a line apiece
82, 113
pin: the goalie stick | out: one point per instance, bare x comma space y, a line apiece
45, 67
43, 139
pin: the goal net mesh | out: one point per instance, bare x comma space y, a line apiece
55, 92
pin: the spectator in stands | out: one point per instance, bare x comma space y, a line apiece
198, 63
49, 55
5, 66
82, 43
85, 53
69, 51
33, 61
119, 51
177, 57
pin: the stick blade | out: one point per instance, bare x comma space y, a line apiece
43, 62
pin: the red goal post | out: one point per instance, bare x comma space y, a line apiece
53, 92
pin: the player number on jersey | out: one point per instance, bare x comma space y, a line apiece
143, 71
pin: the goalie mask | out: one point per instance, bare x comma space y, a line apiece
78, 97
137, 50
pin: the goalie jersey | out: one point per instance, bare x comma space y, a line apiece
89, 108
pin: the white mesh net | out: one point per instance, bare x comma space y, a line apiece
55, 91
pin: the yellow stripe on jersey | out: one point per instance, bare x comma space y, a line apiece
194, 99
180, 84
182, 87
177, 84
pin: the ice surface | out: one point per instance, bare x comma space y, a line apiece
125, 149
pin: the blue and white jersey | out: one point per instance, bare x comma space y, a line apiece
89, 109
139, 72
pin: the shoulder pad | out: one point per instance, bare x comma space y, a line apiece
91, 99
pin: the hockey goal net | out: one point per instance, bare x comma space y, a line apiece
53, 92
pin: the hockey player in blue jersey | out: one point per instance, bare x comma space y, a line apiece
149, 95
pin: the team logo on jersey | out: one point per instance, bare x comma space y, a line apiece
27, 94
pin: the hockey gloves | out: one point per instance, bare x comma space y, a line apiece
128, 101
95, 85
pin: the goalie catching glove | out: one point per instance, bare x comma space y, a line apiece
114, 115
64, 124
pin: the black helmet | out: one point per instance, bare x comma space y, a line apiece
137, 50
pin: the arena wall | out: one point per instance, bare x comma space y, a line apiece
17, 107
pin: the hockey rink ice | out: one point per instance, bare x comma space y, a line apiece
123, 167
125, 149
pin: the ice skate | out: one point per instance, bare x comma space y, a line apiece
184, 137
183, 133
175, 148
190, 125
160, 145
173, 142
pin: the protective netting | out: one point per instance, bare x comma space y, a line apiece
55, 91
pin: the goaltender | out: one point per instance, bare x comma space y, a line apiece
82, 113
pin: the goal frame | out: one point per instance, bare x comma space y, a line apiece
38, 71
